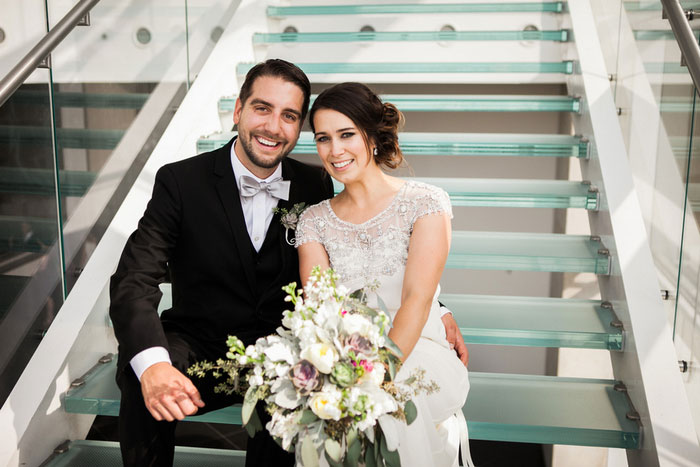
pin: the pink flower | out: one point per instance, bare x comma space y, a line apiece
358, 344
367, 365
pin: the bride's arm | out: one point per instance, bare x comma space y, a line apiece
427, 254
311, 254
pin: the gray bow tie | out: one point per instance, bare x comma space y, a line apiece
277, 188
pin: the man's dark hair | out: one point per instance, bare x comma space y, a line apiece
278, 68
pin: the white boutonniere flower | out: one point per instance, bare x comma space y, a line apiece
289, 218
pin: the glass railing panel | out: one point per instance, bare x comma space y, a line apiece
484, 7
452, 144
512, 193
87, 452
534, 321
463, 103
416, 36
565, 67
31, 273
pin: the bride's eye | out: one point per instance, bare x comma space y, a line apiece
347, 134
321, 139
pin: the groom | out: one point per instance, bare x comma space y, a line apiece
210, 229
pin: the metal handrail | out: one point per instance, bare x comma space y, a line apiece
44, 47
684, 36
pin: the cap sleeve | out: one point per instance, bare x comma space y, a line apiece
308, 228
430, 199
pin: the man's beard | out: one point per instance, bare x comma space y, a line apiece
247, 145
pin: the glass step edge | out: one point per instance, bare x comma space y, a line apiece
567, 420
658, 34
510, 192
515, 251
74, 138
564, 67
505, 7
534, 321
89, 453
450, 144
665, 68
561, 35
463, 103
81, 99
41, 181
654, 6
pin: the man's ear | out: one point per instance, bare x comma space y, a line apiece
237, 111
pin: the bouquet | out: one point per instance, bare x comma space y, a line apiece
325, 378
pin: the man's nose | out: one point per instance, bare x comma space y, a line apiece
273, 124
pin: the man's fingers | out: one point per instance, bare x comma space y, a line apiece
187, 406
155, 414
162, 412
193, 394
173, 408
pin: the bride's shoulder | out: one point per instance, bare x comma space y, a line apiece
427, 198
315, 210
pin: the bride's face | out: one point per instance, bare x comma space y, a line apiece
341, 146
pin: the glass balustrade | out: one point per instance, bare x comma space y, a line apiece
73, 139
658, 115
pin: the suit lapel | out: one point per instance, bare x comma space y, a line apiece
230, 199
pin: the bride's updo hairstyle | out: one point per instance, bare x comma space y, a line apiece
378, 122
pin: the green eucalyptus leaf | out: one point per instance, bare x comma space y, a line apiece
391, 458
352, 457
307, 417
391, 345
334, 449
331, 462
392, 368
382, 305
309, 454
411, 412
254, 424
351, 436
249, 401
370, 459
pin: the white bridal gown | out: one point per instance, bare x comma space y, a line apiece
376, 252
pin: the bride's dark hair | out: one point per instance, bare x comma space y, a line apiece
378, 122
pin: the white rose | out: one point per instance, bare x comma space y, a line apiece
354, 323
321, 355
325, 405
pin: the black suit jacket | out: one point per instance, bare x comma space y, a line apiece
193, 230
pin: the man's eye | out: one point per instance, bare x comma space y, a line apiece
260, 109
291, 117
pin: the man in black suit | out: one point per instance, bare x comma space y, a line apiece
210, 226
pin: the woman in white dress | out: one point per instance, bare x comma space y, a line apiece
385, 230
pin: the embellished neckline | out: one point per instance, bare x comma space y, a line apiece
372, 219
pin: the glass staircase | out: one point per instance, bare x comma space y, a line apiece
532, 408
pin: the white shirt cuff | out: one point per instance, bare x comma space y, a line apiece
443, 311
148, 357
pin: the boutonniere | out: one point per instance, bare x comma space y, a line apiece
289, 219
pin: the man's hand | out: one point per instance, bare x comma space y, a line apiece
454, 337
169, 394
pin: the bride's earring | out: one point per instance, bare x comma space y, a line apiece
375, 152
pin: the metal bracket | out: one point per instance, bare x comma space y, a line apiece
45, 63
63, 447
84, 21
587, 142
683, 366
78, 382
632, 414
689, 14
615, 322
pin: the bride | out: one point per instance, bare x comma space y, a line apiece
385, 230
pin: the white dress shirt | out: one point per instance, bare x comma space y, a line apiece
257, 211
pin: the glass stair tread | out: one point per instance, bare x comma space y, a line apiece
657, 34
99, 395
665, 67
564, 67
451, 144
81, 99
74, 138
535, 409
549, 410
41, 181
87, 453
534, 321
409, 36
463, 103
12, 236
515, 251
511, 193
654, 6
495, 7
